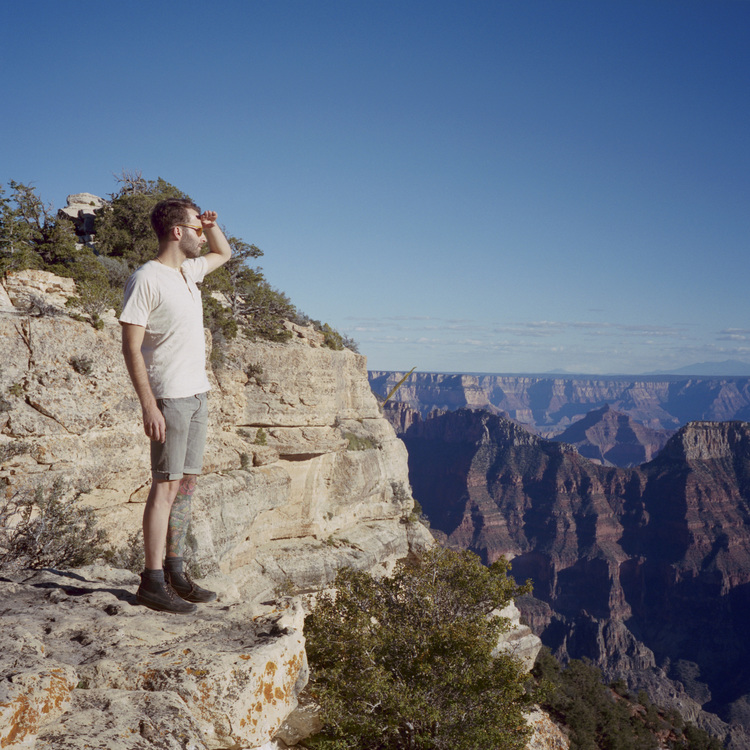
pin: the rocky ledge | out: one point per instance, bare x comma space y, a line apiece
85, 666
302, 476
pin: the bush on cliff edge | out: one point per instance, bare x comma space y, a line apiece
33, 235
406, 661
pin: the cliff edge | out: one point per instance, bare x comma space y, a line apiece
302, 476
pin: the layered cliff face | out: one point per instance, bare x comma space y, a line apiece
645, 571
302, 473
302, 476
548, 405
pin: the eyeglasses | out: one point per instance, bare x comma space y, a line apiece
198, 229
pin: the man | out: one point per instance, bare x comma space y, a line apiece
164, 350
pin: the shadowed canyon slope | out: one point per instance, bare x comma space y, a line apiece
646, 570
549, 404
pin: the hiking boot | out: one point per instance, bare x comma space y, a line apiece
184, 585
159, 595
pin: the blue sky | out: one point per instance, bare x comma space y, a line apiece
518, 186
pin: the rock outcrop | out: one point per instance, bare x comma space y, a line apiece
81, 210
302, 476
646, 571
549, 404
302, 473
88, 668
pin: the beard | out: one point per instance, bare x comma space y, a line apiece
190, 245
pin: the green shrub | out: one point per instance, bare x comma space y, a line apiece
604, 718
82, 364
254, 372
331, 337
355, 443
405, 662
43, 529
16, 390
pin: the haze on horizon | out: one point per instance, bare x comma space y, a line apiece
518, 186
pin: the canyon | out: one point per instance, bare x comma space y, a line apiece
549, 404
645, 571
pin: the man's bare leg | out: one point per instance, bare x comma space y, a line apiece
156, 520
179, 517
155, 591
179, 522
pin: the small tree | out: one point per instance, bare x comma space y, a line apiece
406, 661
253, 305
123, 226
25, 223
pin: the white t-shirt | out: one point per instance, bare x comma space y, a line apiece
167, 303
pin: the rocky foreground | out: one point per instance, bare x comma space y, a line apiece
85, 666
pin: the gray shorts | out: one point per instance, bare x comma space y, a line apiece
182, 451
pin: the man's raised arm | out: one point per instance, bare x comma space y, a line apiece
219, 249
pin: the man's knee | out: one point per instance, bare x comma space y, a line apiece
164, 490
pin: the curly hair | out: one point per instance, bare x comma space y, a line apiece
169, 213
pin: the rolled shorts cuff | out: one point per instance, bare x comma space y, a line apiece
166, 476
163, 476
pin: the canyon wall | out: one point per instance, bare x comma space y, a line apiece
645, 571
549, 404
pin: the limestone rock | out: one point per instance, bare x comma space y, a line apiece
123, 720
547, 734
41, 289
302, 475
519, 640
85, 663
81, 210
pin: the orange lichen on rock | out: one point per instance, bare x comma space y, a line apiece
38, 699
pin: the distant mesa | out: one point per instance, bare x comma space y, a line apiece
614, 439
727, 368
550, 404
